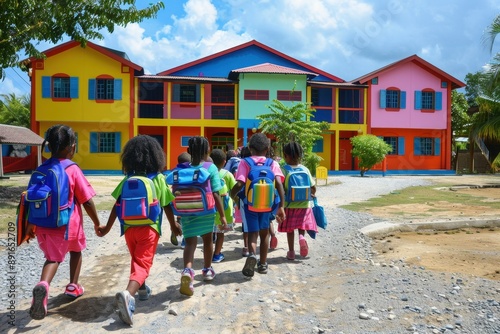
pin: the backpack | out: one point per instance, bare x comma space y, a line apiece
47, 195
233, 164
192, 190
138, 203
297, 184
224, 191
260, 191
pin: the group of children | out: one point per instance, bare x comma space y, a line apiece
143, 155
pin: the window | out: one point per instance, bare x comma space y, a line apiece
392, 99
186, 93
105, 88
428, 100
185, 141
287, 95
427, 146
105, 142
221, 140
255, 94
375, 81
397, 144
318, 146
60, 87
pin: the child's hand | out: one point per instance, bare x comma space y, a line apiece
176, 228
280, 215
101, 231
30, 231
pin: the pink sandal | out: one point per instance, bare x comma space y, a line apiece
38, 309
304, 249
74, 290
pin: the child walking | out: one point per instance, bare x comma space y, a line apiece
299, 215
201, 225
219, 158
182, 158
257, 223
142, 156
61, 141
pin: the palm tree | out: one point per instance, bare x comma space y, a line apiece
15, 110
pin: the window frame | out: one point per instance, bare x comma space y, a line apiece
97, 142
48, 87
93, 93
385, 96
256, 94
289, 95
437, 100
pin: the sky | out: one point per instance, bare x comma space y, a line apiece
347, 38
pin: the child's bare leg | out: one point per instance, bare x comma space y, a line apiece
75, 265
133, 287
245, 239
252, 242
188, 254
49, 271
264, 245
218, 243
207, 249
290, 236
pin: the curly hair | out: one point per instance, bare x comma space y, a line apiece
259, 143
58, 138
141, 155
218, 157
198, 148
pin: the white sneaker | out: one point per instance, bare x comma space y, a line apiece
126, 306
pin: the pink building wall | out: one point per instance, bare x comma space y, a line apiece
408, 77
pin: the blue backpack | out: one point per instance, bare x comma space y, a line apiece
192, 190
260, 191
47, 196
297, 184
138, 203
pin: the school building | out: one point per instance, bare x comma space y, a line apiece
107, 99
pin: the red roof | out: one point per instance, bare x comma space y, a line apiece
455, 83
114, 54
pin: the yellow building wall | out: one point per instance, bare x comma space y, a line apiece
83, 157
84, 63
81, 114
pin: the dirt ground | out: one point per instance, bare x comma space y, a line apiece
471, 251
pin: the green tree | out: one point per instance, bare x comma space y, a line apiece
460, 119
15, 110
370, 150
25, 23
293, 122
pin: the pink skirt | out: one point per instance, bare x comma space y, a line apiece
302, 219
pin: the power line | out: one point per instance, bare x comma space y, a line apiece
21, 77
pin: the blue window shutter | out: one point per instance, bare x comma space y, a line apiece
73, 87
93, 142
401, 145
118, 142
439, 101
437, 146
46, 87
416, 146
92, 89
318, 146
402, 100
117, 93
418, 100
383, 99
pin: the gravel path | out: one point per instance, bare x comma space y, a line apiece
340, 288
